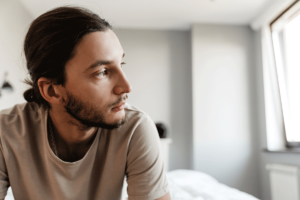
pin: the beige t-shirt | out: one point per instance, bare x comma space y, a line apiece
29, 166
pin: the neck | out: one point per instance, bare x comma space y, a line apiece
70, 140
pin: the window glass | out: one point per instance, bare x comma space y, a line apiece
286, 44
292, 64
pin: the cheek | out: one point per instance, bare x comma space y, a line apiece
97, 93
98, 96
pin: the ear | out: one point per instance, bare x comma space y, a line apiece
50, 92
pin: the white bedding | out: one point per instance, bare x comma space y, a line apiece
194, 185
9, 195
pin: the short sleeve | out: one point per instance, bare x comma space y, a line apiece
145, 172
4, 182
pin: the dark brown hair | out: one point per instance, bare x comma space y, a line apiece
50, 42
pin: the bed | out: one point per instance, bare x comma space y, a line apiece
192, 185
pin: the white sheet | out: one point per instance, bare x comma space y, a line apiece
194, 185
9, 195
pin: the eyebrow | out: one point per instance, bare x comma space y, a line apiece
100, 62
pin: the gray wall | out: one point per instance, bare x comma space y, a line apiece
225, 136
159, 69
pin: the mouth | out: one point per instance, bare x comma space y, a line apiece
120, 106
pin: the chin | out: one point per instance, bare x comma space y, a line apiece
116, 117
116, 123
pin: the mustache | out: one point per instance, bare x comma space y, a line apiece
120, 99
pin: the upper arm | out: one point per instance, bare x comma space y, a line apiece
145, 166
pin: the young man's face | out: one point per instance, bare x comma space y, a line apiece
96, 87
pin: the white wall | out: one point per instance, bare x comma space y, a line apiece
14, 21
159, 70
225, 141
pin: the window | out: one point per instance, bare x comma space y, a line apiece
286, 44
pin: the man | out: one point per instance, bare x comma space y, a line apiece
76, 137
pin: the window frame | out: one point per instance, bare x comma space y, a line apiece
287, 15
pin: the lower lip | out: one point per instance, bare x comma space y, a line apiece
119, 108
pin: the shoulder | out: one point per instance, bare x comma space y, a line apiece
137, 117
19, 109
134, 112
139, 124
18, 117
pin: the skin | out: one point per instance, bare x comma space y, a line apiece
100, 86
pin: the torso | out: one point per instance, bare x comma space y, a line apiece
35, 172
30, 167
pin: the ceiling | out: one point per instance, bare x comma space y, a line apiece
161, 14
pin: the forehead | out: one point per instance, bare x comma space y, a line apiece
96, 46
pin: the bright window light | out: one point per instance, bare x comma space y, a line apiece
291, 40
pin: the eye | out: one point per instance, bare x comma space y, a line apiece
102, 73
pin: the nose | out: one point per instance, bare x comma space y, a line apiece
122, 86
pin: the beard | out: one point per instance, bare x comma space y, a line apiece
89, 116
